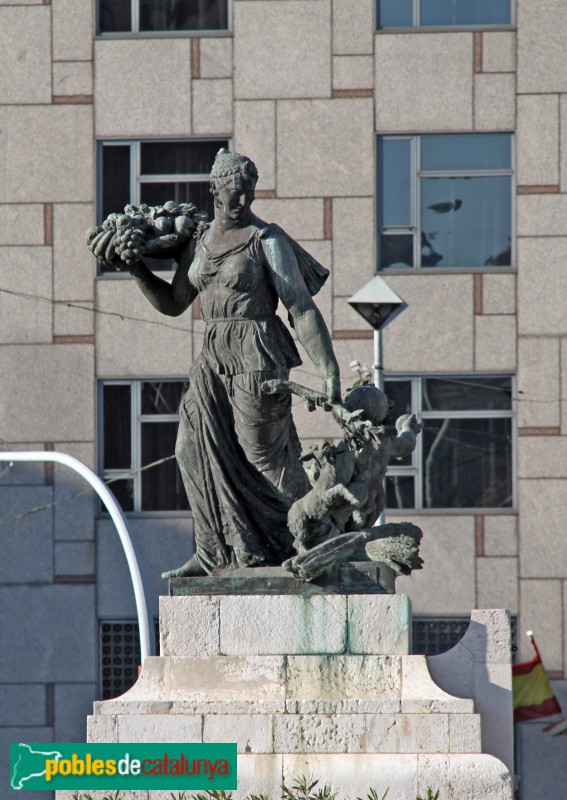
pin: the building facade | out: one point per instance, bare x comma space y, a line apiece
425, 141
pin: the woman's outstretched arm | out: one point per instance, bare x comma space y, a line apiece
169, 298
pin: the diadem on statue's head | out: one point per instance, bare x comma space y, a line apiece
371, 400
232, 167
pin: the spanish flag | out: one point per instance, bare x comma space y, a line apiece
533, 696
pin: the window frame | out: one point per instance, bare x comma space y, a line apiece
136, 33
136, 421
416, 26
414, 470
137, 178
415, 190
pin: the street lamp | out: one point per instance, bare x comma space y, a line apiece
379, 305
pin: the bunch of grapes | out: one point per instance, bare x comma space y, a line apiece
123, 239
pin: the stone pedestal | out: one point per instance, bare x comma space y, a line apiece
323, 685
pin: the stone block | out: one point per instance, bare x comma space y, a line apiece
212, 106
73, 319
24, 319
493, 700
464, 733
500, 536
345, 318
20, 734
353, 26
73, 704
542, 214
540, 557
424, 82
281, 624
488, 637
302, 219
62, 618
73, 264
215, 57
498, 51
259, 775
407, 733
293, 38
498, 294
151, 111
102, 728
189, 626
255, 132
540, 64
75, 501
253, 733
22, 704
353, 243
497, 583
447, 540
74, 558
159, 728
323, 144
542, 457
354, 774
420, 695
539, 374
537, 139
220, 682
51, 379
317, 733
379, 624
541, 275
353, 72
72, 22
342, 678
163, 544
72, 78
27, 547
495, 343
62, 169
539, 753
541, 610
423, 336
155, 355
21, 473
148, 695
16, 231
494, 102
470, 776
25, 55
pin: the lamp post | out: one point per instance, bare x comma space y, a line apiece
379, 305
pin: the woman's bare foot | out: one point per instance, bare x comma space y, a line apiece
191, 569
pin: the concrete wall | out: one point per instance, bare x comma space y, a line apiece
309, 119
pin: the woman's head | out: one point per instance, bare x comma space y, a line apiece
233, 180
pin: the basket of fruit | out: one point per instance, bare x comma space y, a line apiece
156, 231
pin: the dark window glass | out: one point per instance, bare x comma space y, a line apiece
115, 178
183, 15
467, 394
116, 425
400, 491
465, 12
399, 393
162, 397
394, 174
154, 194
179, 158
467, 463
162, 487
465, 222
114, 16
464, 151
123, 490
396, 250
395, 13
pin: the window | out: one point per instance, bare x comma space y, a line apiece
445, 201
442, 13
464, 454
139, 421
154, 171
147, 16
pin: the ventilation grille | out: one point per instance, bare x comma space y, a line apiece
434, 635
119, 649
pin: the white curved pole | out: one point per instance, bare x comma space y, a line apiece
145, 623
